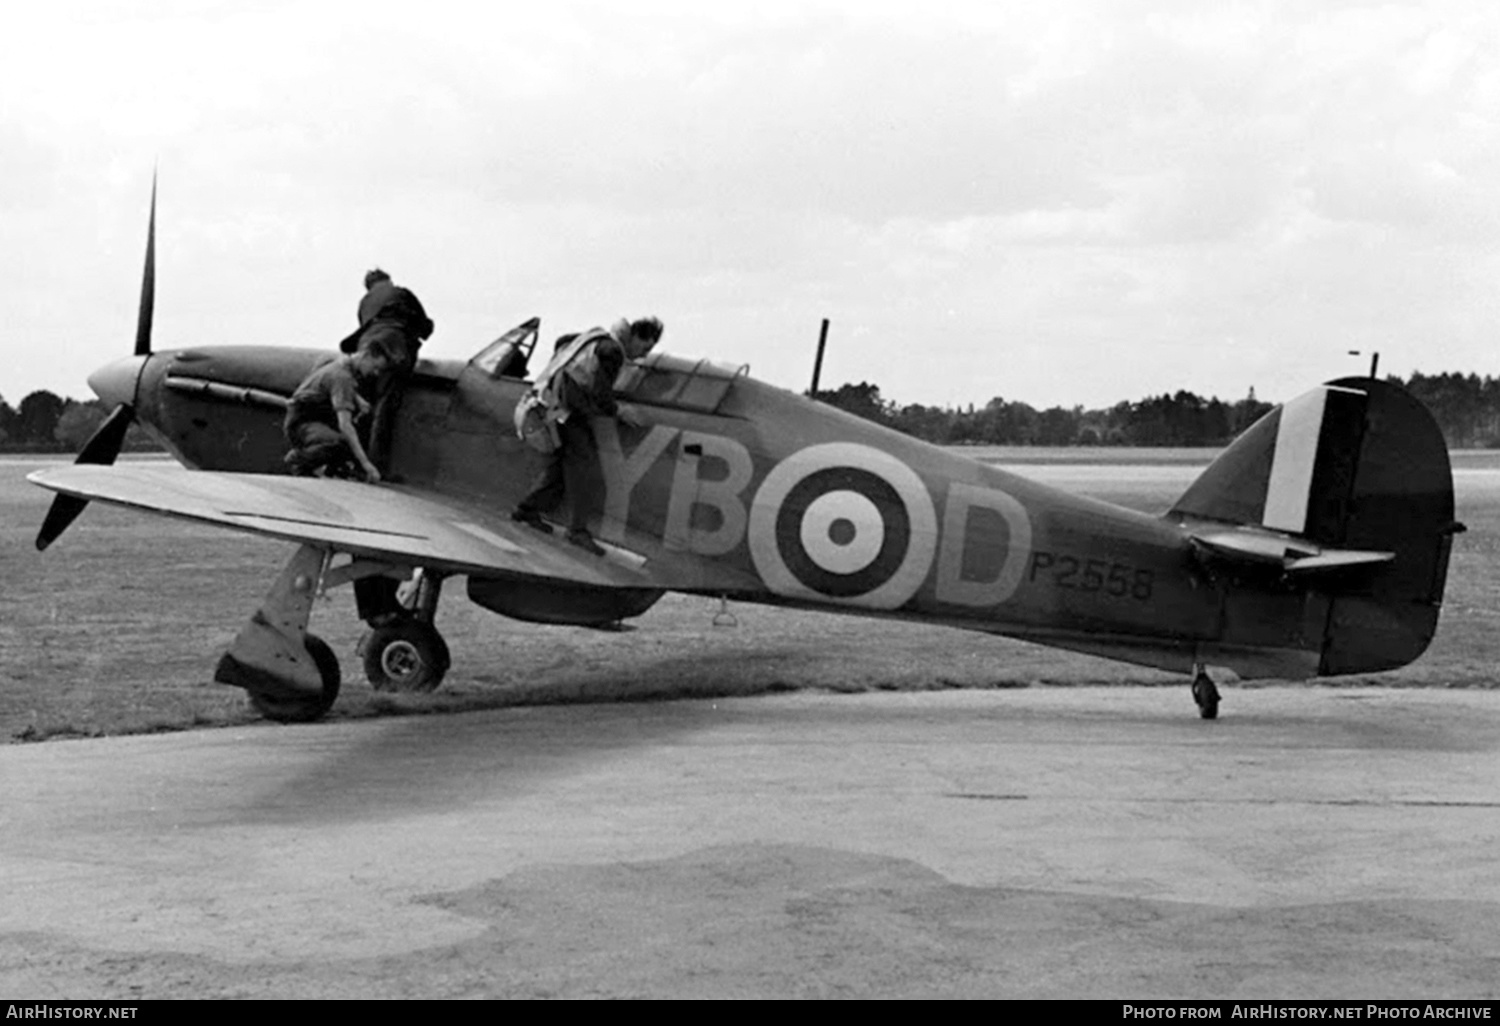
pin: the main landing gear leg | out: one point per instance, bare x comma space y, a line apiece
1205, 693
291, 675
406, 653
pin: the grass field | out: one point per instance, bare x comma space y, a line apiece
117, 628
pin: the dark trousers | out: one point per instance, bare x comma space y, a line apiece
314, 445
383, 423
564, 474
388, 392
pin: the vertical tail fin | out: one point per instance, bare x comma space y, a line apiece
1359, 465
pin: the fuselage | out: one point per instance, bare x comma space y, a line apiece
734, 487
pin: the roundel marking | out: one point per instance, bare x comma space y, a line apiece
845, 523
842, 532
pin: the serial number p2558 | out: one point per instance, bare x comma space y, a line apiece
1120, 580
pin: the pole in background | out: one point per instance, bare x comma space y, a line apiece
818, 363
1374, 360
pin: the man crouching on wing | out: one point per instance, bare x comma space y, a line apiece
320, 416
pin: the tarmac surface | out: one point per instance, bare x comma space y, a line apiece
1040, 842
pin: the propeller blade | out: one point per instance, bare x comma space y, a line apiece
104, 445
100, 449
63, 511
148, 284
106, 442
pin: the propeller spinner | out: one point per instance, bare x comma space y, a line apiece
115, 382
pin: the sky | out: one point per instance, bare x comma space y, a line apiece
1070, 202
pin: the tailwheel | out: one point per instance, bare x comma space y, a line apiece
405, 655
288, 708
1206, 694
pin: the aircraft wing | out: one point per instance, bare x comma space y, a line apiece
389, 522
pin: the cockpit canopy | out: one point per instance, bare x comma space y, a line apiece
660, 379
509, 356
656, 379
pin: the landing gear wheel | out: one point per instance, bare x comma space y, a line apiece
408, 655
304, 709
1206, 695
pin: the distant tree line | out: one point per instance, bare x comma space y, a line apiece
1466, 406
1183, 419
44, 422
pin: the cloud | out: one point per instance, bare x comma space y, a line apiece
1074, 202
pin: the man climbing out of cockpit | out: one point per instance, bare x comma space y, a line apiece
574, 392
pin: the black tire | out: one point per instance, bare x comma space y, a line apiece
445, 658
408, 656
1206, 694
284, 709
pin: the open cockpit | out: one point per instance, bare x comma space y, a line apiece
656, 379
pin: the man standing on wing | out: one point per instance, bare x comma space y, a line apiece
577, 392
393, 318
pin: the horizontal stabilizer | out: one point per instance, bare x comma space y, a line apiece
1248, 547
1291, 555
1337, 559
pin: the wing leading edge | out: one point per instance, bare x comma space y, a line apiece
388, 522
